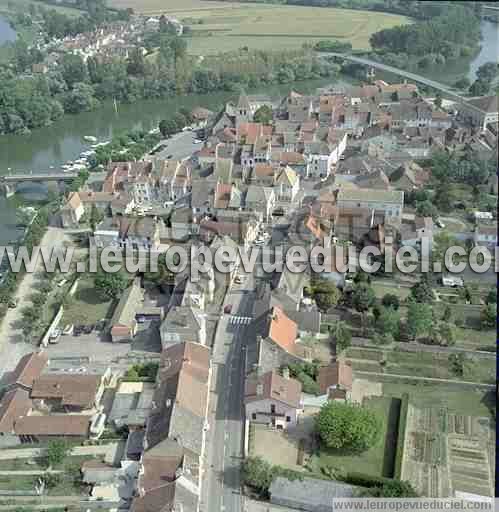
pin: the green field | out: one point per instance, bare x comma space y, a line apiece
378, 460
86, 306
230, 26
23, 6
421, 364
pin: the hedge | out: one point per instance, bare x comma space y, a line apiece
401, 435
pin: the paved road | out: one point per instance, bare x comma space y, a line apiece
222, 485
12, 346
34, 472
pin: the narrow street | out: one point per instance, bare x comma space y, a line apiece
222, 481
12, 346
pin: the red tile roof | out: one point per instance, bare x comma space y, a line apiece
273, 386
15, 403
282, 330
53, 425
28, 369
335, 374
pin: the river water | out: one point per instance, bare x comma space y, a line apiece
7, 33
52, 146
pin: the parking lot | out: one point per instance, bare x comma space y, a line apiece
98, 347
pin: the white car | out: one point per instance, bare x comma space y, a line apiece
440, 224
198, 141
259, 241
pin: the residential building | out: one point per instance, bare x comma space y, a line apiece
286, 187
260, 199
480, 111
273, 400
391, 202
171, 471
486, 234
309, 494
123, 322
29, 368
335, 381
183, 324
14, 404
69, 393
72, 211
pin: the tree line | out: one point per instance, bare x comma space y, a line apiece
78, 86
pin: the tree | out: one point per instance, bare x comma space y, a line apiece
263, 115
96, 217
363, 297
167, 127
56, 452
347, 427
438, 100
393, 489
462, 83
110, 285
491, 297
382, 339
488, 316
419, 319
456, 364
73, 69
487, 72
390, 300
443, 334
479, 88
342, 336
426, 209
326, 294
389, 322
257, 473
422, 291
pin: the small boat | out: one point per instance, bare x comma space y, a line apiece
90, 138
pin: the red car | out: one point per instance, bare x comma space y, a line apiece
228, 309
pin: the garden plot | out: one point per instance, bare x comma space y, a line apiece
447, 452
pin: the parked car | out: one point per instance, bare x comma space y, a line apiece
440, 224
228, 309
68, 330
87, 329
54, 336
78, 330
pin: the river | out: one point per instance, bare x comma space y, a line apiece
63, 141
7, 33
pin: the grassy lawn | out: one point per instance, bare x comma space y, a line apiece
38, 464
17, 482
23, 6
381, 289
86, 306
468, 401
421, 364
229, 26
378, 460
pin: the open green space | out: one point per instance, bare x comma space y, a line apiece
379, 460
381, 289
222, 27
421, 364
24, 6
86, 306
460, 400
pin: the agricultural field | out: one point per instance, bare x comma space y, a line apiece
222, 27
434, 365
445, 452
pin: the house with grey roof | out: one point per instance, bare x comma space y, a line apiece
123, 322
260, 199
309, 494
183, 324
391, 202
480, 111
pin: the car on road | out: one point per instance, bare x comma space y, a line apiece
87, 329
197, 141
169, 156
228, 309
54, 336
440, 224
12, 303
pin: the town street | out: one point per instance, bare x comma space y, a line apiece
222, 482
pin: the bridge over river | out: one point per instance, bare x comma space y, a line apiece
448, 91
9, 182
